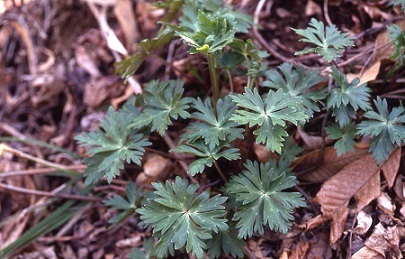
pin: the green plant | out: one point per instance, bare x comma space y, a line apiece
181, 215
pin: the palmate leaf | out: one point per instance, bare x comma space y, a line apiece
297, 83
164, 101
182, 218
226, 243
330, 42
270, 113
345, 137
387, 129
125, 206
109, 148
212, 34
347, 98
259, 192
209, 155
213, 128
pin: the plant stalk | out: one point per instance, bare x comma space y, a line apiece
220, 172
214, 79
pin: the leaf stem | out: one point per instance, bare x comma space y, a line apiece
220, 172
214, 79
228, 73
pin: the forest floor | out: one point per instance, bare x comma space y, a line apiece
57, 79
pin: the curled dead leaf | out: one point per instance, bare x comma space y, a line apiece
364, 222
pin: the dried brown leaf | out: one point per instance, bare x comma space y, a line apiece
369, 192
391, 167
364, 222
368, 74
367, 253
385, 241
331, 164
124, 12
336, 193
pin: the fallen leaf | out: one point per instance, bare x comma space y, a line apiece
391, 167
384, 241
364, 222
369, 192
312, 8
335, 194
368, 74
124, 12
310, 142
367, 253
330, 165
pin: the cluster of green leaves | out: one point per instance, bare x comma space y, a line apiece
346, 98
189, 9
181, 216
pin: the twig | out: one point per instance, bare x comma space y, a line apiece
36, 171
4, 147
47, 194
326, 11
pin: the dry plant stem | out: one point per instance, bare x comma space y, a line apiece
214, 80
39, 171
179, 158
351, 237
361, 54
47, 194
220, 172
4, 147
326, 12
